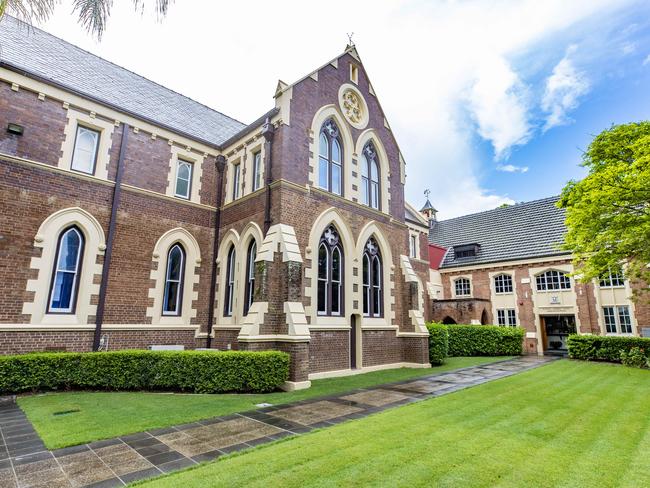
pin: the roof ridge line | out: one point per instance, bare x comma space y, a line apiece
515, 205
22, 23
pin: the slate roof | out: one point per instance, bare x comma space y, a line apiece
54, 60
524, 230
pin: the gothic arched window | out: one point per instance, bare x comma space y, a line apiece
330, 158
67, 267
172, 301
230, 283
250, 276
372, 280
330, 273
370, 190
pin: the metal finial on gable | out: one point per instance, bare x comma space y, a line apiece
350, 41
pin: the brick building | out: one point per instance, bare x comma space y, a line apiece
506, 267
133, 216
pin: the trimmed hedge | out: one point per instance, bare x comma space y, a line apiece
485, 340
604, 348
438, 343
193, 371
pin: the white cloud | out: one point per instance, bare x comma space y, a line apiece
563, 89
628, 48
646, 60
430, 63
497, 101
511, 168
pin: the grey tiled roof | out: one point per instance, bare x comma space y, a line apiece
52, 59
520, 231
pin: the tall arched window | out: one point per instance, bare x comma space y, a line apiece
330, 160
372, 280
370, 177
172, 298
67, 267
230, 282
330, 273
250, 276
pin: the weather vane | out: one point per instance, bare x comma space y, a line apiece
350, 41
426, 193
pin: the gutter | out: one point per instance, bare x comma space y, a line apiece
117, 193
220, 163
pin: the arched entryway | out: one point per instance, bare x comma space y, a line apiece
484, 317
448, 320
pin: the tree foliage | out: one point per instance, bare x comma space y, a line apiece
92, 14
608, 212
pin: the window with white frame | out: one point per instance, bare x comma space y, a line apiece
230, 283
617, 319
257, 170
553, 280
67, 266
330, 273
503, 283
462, 287
330, 158
413, 246
506, 316
172, 301
250, 276
84, 154
372, 278
370, 177
236, 175
613, 279
183, 179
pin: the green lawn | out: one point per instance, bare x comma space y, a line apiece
567, 424
107, 415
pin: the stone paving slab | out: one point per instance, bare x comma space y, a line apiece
26, 463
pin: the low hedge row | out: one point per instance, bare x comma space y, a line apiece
438, 343
604, 348
192, 371
485, 340
473, 340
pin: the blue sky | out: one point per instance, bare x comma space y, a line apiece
470, 88
613, 58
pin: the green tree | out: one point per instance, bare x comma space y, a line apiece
93, 14
608, 212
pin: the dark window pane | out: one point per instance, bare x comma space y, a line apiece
69, 251
171, 296
336, 265
62, 291
366, 292
322, 305
336, 303
376, 307
322, 262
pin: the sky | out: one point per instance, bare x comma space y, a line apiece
491, 102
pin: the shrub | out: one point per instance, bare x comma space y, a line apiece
603, 348
193, 371
485, 340
438, 343
634, 358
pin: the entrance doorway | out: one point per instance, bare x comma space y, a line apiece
355, 343
556, 330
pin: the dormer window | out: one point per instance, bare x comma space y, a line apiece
466, 251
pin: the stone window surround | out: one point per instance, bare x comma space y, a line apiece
612, 297
197, 172
88, 283
244, 156
190, 278
98, 117
352, 255
76, 118
351, 157
452, 283
232, 237
493, 288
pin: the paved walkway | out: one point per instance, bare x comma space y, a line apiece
26, 463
